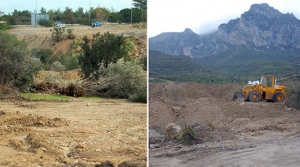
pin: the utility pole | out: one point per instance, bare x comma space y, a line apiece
89, 9
35, 12
131, 12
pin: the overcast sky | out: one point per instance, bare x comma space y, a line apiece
204, 16
9, 5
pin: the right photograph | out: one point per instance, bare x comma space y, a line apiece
224, 83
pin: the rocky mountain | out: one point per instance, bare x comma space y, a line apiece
183, 43
259, 28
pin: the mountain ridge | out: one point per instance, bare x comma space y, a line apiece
260, 27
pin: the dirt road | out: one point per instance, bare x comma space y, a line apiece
79, 132
230, 133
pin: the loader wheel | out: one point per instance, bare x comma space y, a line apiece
254, 96
278, 97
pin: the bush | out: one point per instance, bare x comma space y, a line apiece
122, 80
4, 26
15, 68
57, 33
70, 33
102, 50
45, 23
57, 66
71, 62
293, 99
140, 95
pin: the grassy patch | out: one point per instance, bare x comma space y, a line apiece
45, 97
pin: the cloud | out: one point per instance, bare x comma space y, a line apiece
203, 16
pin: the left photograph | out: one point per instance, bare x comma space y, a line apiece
73, 83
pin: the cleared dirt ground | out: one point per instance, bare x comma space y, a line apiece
79, 132
230, 133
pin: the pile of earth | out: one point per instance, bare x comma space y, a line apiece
209, 110
9, 93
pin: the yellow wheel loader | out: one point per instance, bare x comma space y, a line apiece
266, 89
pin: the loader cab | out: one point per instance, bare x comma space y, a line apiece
267, 82
267, 87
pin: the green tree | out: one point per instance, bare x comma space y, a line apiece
140, 4
69, 15
43, 10
136, 15
15, 60
102, 49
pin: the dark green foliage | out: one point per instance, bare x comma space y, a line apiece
106, 48
15, 68
47, 58
136, 15
293, 98
115, 17
179, 68
139, 94
45, 23
244, 62
4, 26
71, 62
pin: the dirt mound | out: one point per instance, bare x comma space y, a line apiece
18, 119
177, 91
51, 88
38, 143
140, 49
72, 90
71, 75
9, 93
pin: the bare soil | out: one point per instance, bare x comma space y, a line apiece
229, 133
72, 133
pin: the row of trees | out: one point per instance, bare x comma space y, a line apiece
79, 16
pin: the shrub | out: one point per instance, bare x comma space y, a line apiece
293, 99
139, 95
15, 68
70, 33
36, 64
57, 66
57, 33
71, 62
102, 50
122, 80
5, 26
45, 23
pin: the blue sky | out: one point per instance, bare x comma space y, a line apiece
9, 5
204, 16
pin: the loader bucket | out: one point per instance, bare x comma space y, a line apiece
238, 96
